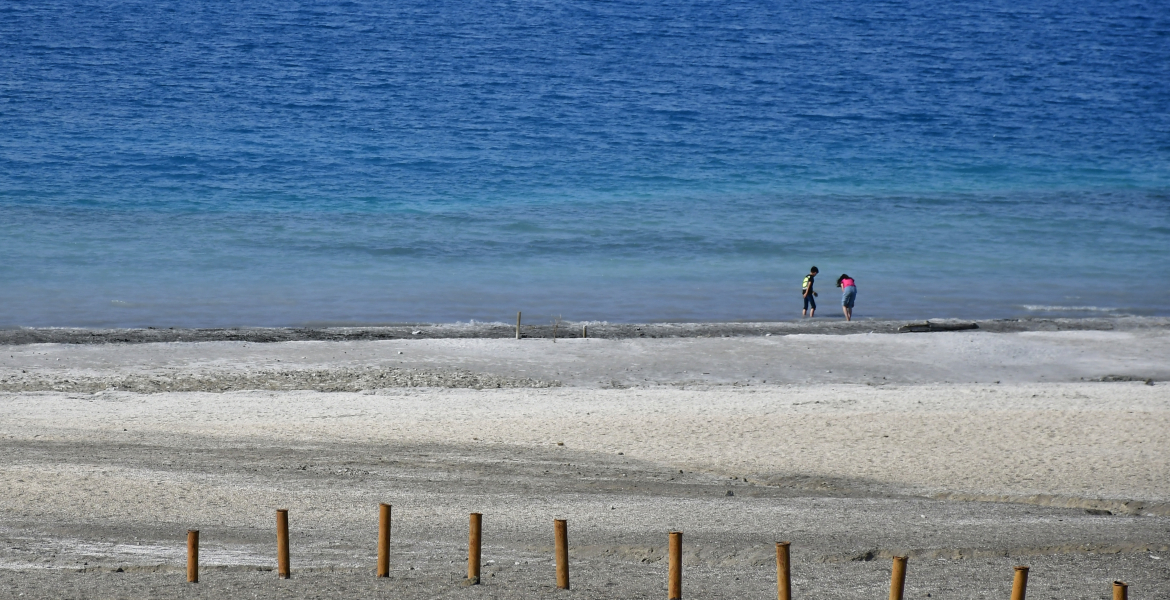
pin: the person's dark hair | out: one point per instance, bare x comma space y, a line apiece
813, 270
843, 277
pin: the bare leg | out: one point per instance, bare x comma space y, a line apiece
848, 313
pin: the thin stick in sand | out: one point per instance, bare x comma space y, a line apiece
473, 548
282, 566
898, 578
1020, 583
783, 572
674, 571
193, 555
561, 530
383, 540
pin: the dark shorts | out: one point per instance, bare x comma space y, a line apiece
810, 302
848, 295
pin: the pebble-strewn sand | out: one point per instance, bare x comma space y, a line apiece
876, 359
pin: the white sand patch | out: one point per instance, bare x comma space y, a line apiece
1084, 440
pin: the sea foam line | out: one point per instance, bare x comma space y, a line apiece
1047, 308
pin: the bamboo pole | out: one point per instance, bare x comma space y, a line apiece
193, 555
783, 572
561, 529
898, 578
674, 572
473, 547
383, 540
1120, 591
282, 569
1020, 583
517, 324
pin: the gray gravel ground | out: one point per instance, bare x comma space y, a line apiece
974, 356
619, 512
319, 380
1052, 577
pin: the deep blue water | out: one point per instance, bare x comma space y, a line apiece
282, 163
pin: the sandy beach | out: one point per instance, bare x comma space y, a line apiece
970, 451
275, 270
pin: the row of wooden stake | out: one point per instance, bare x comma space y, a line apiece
561, 535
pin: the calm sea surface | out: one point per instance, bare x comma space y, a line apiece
198, 163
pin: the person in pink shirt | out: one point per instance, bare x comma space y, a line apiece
848, 294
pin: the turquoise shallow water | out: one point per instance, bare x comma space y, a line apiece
202, 164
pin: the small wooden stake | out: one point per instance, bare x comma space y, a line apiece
193, 555
561, 528
584, 331
383, 540
1020, 583
1120, 591
282, 569
517, 324
898, 578
783, 572
674, 571
473, 547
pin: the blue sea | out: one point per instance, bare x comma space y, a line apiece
266, 163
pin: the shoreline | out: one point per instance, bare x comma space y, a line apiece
690, 359
565, 330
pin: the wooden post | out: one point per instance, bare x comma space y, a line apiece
473, 547
674, 570
517, 324
1020, 583
193, 555
584, 331
898, 578
282, 569
783, 572
383, 540
1120, 591
561, 529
